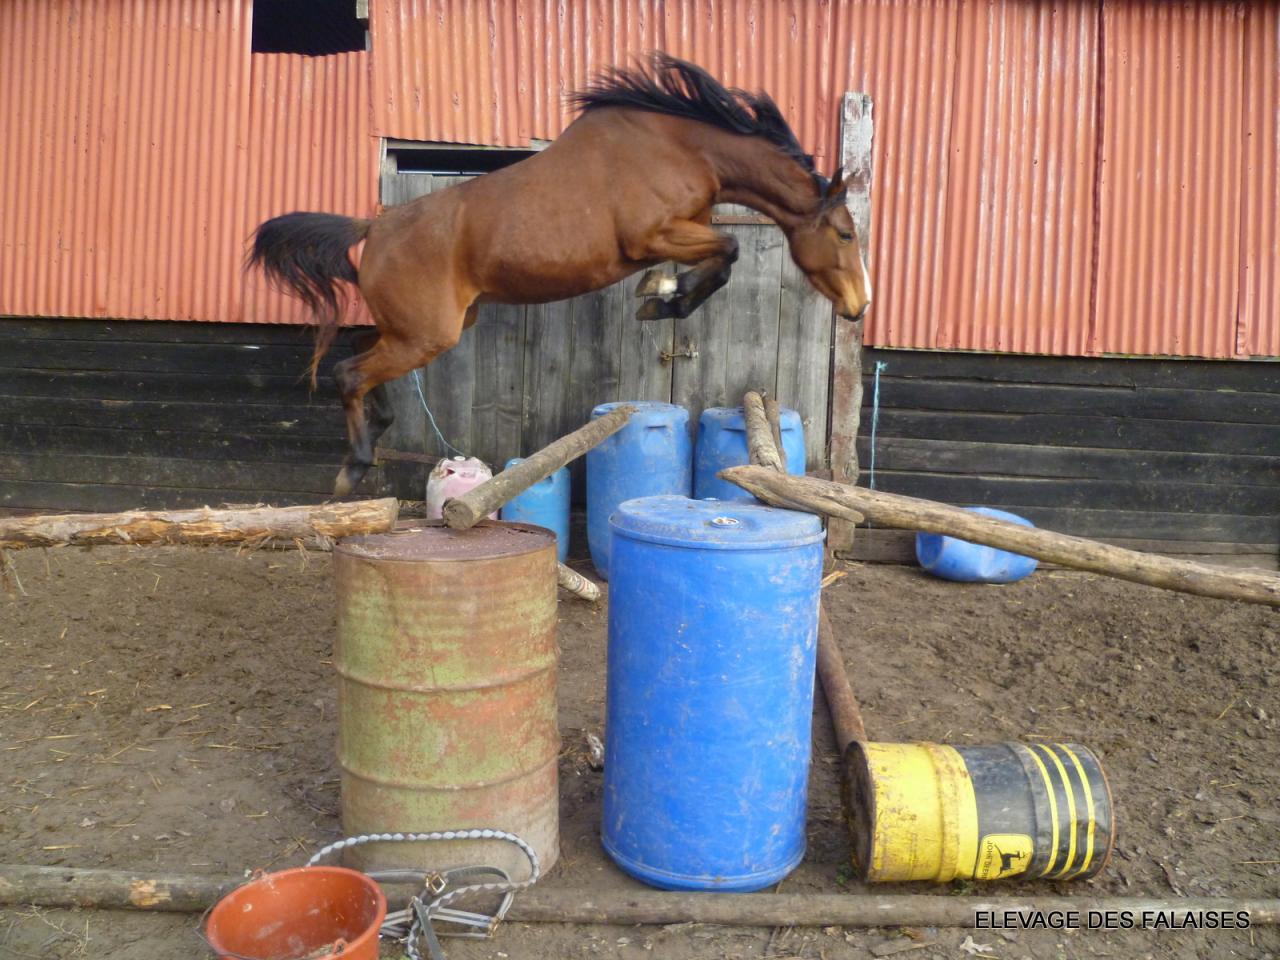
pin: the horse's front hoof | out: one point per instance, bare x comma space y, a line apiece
655, 309
656, 283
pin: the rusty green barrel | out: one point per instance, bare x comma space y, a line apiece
446, 657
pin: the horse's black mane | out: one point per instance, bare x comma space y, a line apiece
664, 84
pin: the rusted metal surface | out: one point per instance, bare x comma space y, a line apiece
446, 656
1259, 330
310, 147
1169, 249
1019, 214
140, 143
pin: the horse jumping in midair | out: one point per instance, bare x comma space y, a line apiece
629, 185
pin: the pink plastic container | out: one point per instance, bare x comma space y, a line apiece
452, 478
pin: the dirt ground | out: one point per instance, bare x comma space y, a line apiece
174, 708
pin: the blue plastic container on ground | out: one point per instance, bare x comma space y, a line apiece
722, 442
545, 504
713, 625
651, 455
966, 562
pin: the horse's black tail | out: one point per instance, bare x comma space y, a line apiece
305, 254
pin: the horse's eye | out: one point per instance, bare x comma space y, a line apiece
845, 237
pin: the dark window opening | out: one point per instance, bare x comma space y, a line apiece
448, 159
313, 28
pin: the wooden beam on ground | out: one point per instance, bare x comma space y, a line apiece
891, 510
190, 893
312, 525
464, 512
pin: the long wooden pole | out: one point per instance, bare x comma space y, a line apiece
908, 513
846, 716
190, 893
464, 512
310, 524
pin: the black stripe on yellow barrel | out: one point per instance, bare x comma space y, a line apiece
1087, 814
1067, 818
1008, 844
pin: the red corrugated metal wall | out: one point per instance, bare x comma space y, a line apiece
987, 215
140, 143
1172, 158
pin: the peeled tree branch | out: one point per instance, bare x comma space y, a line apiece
891, 510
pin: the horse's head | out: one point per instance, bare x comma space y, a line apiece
826, 248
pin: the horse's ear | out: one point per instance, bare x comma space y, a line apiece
836, 186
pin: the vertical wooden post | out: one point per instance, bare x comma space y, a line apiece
856, 134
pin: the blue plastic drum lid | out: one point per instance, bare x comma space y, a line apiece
953, 559
722, 442
713, 622
651, 455
545, 504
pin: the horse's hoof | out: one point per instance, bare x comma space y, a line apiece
655, 309
656, 283
344, 484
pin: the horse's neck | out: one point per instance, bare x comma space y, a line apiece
765, 179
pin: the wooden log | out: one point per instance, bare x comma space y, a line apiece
846, 715
113, 889
122, 889
254, 525
908, 513
760, 446
773, 413
464, 512
577, 584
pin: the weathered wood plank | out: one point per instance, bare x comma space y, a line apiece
204, 359
548, 359
111, 497
804, 357
1129, 492
1084, 463
316, 420
126, 441
643, 373
1061, 430
232, 476
228, 389
1148, 403
1179, 374
497, 399
857, 132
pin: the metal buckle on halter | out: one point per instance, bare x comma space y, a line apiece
435, 883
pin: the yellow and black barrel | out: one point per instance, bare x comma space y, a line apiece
929, 811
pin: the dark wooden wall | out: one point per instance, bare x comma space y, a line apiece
101, 415
1178, 456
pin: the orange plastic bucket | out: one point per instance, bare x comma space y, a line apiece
308, 913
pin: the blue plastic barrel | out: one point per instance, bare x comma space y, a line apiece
713, 625
545, 504
651, 455
722, 442
953, 559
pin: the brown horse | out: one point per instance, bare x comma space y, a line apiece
630, 184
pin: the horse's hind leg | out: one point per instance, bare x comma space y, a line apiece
364, 375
